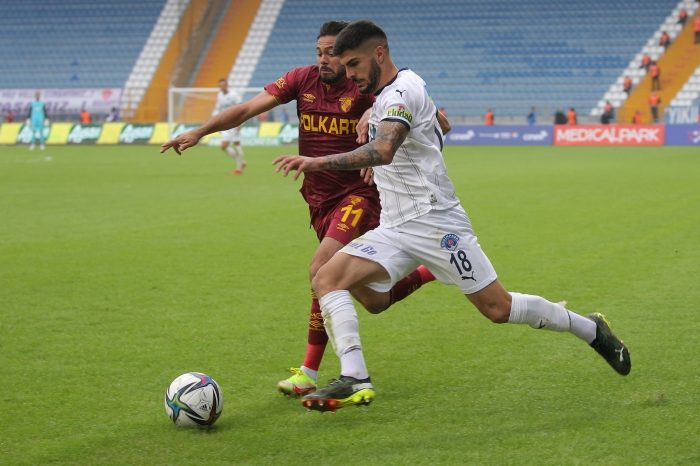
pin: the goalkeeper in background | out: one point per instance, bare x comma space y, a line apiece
37, 117
225, 99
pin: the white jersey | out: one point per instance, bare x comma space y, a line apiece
224, 101
416, 181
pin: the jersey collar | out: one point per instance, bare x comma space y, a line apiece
390, 82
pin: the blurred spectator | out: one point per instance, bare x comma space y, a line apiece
655, 72
654, 101
559, 117
696, 28
262, 117
627, 85
646, 61
271, 115
284, 118
608, 114
9, 117
637, 118
532, 116
488, 118
112, 115
85, 117
443, 112
571, 117
665, 40
682, 17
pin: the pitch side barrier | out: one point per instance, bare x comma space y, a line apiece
265, 134
273, 133
575, 135
500, 135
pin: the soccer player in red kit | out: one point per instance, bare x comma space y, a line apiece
341, 204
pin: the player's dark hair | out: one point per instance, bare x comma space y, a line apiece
223, 79
332, 28
356, 34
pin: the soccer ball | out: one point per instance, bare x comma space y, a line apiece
194, 399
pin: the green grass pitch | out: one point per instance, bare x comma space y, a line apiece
122, 268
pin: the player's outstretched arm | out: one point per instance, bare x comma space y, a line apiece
444, 124
380, 151
230, 118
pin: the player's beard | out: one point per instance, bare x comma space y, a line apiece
375, 74
334, 78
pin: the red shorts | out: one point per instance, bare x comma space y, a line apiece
353, 216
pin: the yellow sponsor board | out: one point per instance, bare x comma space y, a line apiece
160, 134
59, 133
9, 132
110, 133
270, 129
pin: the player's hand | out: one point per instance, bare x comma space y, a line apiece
296, 162
368, 175
181, 142
362, 128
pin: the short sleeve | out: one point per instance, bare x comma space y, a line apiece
285, 88
397, 106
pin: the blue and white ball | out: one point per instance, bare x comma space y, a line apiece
194, 399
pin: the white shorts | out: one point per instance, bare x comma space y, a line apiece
442, 240
231, 135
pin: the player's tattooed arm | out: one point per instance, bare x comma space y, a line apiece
380, 151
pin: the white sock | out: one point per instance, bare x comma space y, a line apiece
342, 326
310, 372
582, 327
236, 152
239, 156
540, 313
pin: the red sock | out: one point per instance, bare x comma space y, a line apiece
318, 339
409, 284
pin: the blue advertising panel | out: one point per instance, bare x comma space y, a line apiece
502, 135
683, 135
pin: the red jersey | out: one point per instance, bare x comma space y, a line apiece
328, 116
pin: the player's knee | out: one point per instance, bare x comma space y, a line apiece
314, 267
322, 284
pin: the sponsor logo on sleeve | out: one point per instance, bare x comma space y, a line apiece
280, 83
345, 103
400, 112
449, 242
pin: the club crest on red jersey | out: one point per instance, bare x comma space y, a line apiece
346, 102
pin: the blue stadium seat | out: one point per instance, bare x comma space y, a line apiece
44, 43
547, 53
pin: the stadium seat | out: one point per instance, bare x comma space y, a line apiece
488, 53
75, 43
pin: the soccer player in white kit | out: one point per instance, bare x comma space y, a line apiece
422, 222
230, 138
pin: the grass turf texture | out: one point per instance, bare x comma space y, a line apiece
121, 269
